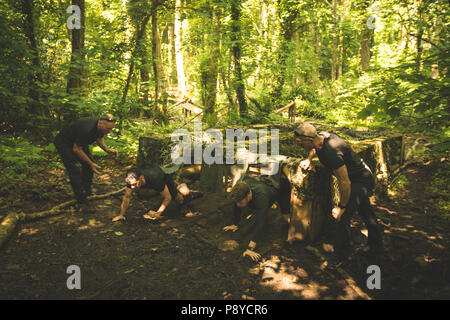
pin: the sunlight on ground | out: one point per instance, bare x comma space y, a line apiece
387, 210
92, 224
29, 231
350, 294
279, 277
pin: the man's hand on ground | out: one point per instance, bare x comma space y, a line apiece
152, 215
118, 218
255, 256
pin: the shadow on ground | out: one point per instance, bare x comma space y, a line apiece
179, 257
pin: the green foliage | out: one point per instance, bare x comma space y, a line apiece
399, 184
19, 158
126, 143
403, 96
287, 49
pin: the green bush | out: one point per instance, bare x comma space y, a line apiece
19, 158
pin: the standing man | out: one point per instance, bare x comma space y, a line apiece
73, 143
355, 182
154, 178
259, 197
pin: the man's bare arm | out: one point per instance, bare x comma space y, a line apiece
102, 144
312, 154
167, 199
307, 162
82, 155
124, 206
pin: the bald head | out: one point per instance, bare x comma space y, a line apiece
107, 118
106, 123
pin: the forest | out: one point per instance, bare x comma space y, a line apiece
366, 69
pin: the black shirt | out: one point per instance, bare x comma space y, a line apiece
82, 132
263, 196
156, 179
336, 152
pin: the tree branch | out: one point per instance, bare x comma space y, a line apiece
11, 221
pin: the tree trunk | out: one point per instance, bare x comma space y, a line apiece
263, 35
77, 57
209, 75
366, 43
160, 104
296, 40
144, 87
181, 80
225, 77
288, 15
317, 51
342, 19
36, 76
171, 56
335, 42
420, 29
340, 65
237, 52
365, 48
140, 32
209, 87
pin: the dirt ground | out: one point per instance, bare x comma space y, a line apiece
180, 257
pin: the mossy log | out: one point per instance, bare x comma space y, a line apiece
154, 150
8, 226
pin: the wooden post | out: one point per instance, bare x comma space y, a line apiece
292, 112
290, 108
311, 196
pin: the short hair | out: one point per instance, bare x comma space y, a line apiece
132, 173
239, 191
107, 117
305, 129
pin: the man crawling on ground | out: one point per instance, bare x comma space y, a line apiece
155, 178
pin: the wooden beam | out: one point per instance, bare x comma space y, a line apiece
285, 108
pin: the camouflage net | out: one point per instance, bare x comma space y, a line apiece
313, 184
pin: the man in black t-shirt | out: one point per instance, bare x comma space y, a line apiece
258, 196
72, 143
154, 178
355, 182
